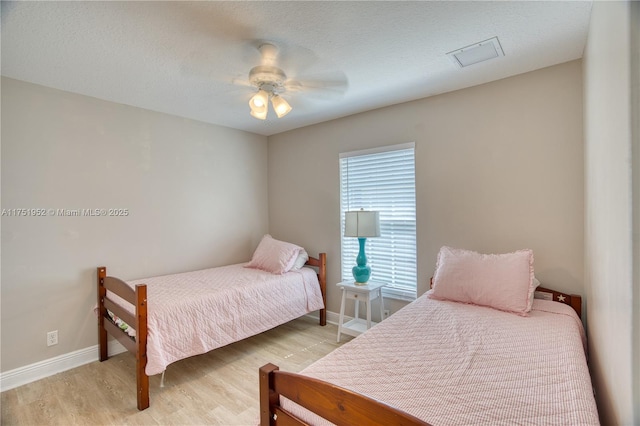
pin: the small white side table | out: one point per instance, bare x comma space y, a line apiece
359, 293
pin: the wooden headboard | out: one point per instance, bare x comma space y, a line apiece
573, 300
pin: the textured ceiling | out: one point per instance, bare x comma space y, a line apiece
187, 58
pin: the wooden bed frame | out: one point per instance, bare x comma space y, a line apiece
339, 405
138, 298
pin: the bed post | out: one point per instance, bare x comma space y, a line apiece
102, 333
142, 380
267, 396
576, 304
322, 275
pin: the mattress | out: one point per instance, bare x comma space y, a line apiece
450, 363
194, 312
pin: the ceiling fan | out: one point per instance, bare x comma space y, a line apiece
271, 82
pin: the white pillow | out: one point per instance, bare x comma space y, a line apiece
500, 281
271, 255
302, 258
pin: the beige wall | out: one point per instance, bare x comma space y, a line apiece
196, 194
608, 209
498, 167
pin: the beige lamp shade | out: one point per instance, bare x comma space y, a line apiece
362, 224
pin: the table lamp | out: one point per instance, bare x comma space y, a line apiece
362, 224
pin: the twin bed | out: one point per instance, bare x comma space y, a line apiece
165, 319
443, 361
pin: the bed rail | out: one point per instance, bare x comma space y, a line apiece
333, 403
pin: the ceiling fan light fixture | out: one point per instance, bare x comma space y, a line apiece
280, 106
259, 100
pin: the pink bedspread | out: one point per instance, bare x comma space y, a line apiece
194, 312
455, 364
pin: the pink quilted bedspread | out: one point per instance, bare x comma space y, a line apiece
194, 312
455, 364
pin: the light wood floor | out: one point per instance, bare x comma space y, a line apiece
217, 388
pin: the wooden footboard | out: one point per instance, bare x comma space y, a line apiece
333, 403
137, 346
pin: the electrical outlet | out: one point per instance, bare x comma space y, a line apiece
52, 338
386, 313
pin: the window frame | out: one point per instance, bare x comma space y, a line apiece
401, 292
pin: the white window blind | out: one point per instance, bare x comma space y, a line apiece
383, 180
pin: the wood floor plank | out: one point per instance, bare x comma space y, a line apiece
220, 387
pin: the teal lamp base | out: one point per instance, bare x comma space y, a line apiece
362, 271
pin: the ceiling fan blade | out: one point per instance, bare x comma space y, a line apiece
294, 59
334, 85
241, 82
327, 85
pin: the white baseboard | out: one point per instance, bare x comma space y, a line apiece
30, 373
332, 317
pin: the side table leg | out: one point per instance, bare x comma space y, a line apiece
381, 305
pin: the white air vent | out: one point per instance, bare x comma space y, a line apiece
477, 52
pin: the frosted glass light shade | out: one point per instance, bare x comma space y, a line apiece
262, 114
259, 100
280, 106
259, 104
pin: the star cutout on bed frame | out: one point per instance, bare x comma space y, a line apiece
561, 298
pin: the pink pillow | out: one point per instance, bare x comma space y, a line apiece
274, 256
500, 281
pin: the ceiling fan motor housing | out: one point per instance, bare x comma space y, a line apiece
268, 78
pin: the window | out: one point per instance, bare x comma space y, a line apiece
383, 180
